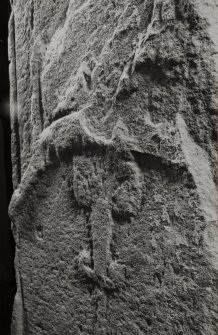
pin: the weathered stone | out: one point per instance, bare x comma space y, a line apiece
113, 108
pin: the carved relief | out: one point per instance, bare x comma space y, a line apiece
109, 210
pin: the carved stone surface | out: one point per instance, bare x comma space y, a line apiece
113, 113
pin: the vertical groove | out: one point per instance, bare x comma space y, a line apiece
41, 109
15, 140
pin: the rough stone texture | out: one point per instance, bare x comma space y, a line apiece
113, 108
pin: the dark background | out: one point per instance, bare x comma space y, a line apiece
7, 277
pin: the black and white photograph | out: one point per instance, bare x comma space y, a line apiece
108, 167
